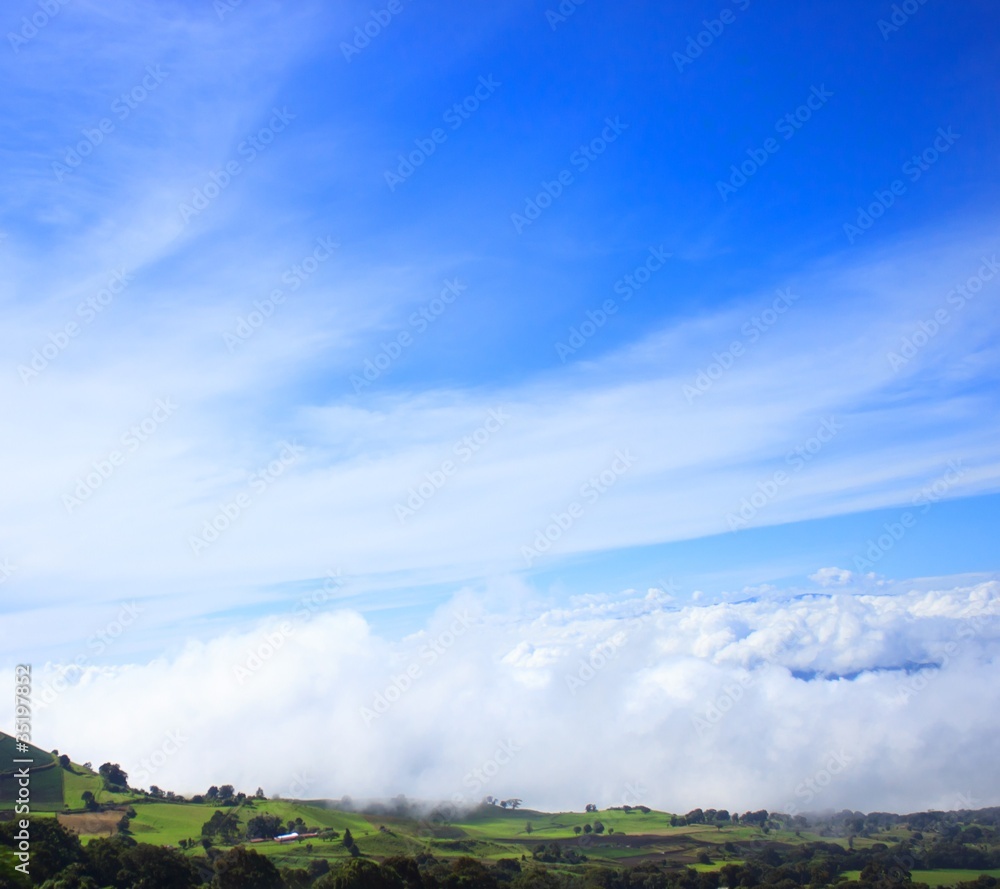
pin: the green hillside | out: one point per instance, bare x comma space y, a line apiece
946, 848
46, 776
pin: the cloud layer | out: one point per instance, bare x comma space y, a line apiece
870, 696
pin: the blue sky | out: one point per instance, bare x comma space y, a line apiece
620, 308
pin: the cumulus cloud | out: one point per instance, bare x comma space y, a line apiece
884, 700
832, 576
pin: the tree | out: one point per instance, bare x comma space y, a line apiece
598, 827
89, 803
263, 826
53, 847
318, 867
145, 866
360, 874
528, 828
577, 829
259, 794
212, 793
226, 791
103, 858
295, 878
64, 761
242, 868
587, 828
590, 807
115, 778
349, 843
224, 824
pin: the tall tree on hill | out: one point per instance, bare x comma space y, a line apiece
115, 778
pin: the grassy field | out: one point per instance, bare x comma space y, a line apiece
486, 833
78, 780
46, 784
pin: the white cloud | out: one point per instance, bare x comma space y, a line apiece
832, 576
728, 705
